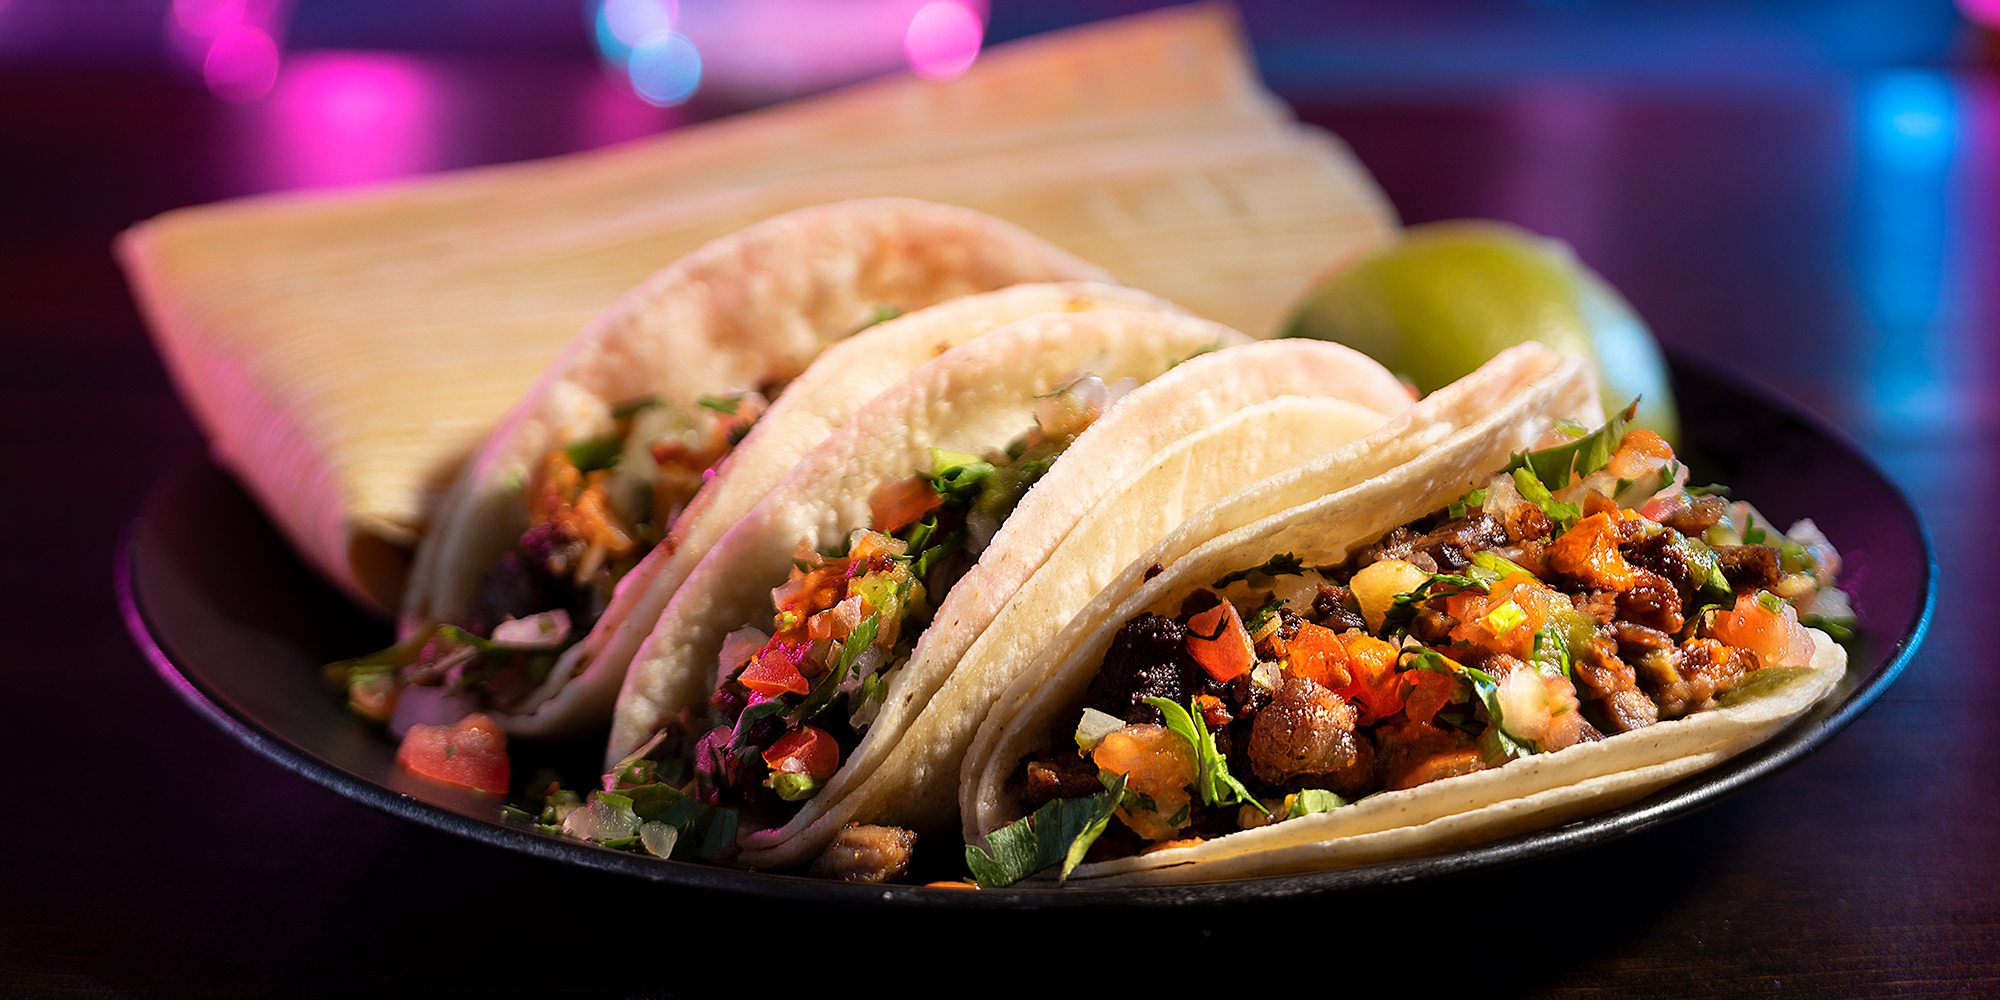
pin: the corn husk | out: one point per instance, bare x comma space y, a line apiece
346, 351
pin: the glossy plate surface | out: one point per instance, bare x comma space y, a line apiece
239, 627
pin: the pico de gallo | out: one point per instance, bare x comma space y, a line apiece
799, 689
594, 509
1583, 591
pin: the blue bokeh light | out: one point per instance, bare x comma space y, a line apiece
665, 68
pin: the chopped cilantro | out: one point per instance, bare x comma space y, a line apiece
721, 404
1403, 609
828, 685
1213, 780
632, 407
1536, 492
1463, 505
592, 454
1282, 564
1578, 458
1058, 833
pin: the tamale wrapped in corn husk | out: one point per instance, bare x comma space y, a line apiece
345, 352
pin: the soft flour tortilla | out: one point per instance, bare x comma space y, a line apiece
1524, 794
975, 398
744, 311
1171, 446
580, 691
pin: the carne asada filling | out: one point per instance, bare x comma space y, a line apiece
595, 508
796, 697
1521, 620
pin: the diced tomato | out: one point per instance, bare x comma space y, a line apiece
1158, 764
1534, 606
775, 670
1589, 552
1317, 653
1640, 452
899, 503
1371, 663
1430, 692
1775, 636
808, 750
471, 753
1217, 640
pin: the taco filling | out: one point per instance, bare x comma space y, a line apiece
594, 509
1584, 591
798, 690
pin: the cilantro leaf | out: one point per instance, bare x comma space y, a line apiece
1463, 505
632, 407
1058, 833
592, 454
1578, 458
1498, 746
1212, 779
1536, 492
721, 404
1282, 564
828, 685
1403, 608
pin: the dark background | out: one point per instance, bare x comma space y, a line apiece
1808, 190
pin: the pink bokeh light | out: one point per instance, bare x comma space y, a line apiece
242, 64
943, 39
348, 117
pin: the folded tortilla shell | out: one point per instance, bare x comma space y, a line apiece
745, 311
1169, 445
580, 692
1534, 791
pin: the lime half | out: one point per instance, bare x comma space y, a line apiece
1449, 295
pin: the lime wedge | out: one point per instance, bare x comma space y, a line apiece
1447, 296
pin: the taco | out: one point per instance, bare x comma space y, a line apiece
1482, 640
544, 556
800, 652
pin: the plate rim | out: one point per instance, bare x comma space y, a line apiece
1704, 788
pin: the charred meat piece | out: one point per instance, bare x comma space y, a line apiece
870, 854
1652, 602
1413, 753
1527, 522
1334, 608
1432, 627
511, 589
1660, 554
1704, 668
1749, 567
1306, 734
1611, 686
1447, 548
1701, 514
1066, 776
1147, 659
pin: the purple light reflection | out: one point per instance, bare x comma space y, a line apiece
347, 117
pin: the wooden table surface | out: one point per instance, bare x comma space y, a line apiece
1838, 239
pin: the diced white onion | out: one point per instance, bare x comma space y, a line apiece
658, 838
548, 630
1094, 726
430, 705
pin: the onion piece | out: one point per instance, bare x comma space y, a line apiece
535, 633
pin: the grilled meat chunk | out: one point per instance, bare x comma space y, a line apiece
1611, 686
1306, 734
864, 853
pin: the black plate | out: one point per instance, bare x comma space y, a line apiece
239, 627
